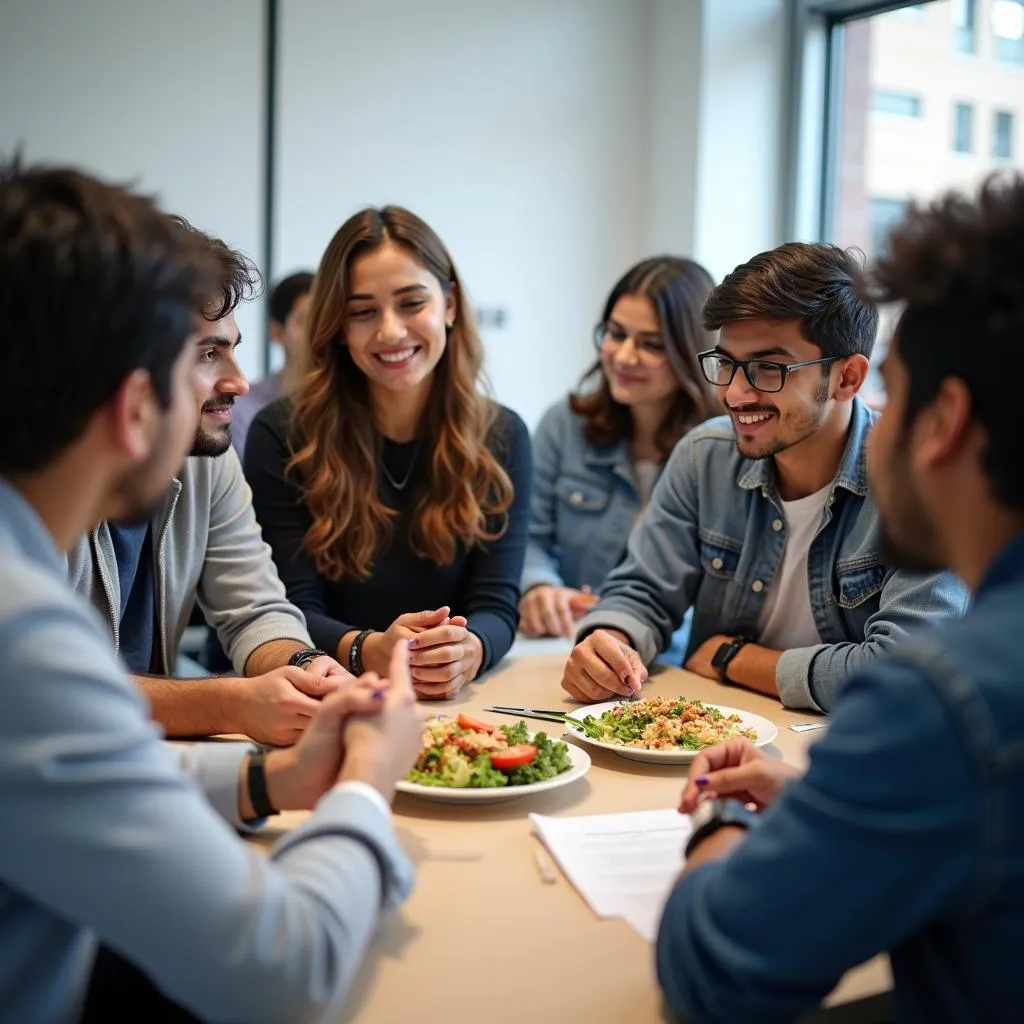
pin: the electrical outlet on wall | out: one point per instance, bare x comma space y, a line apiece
493, 318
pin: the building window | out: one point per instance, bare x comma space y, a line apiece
963, 128
884, 214
1008, 28
905, 104
1002, 135
962, 15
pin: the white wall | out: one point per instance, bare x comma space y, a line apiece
552, 143
742, 131
164, 95
516, 130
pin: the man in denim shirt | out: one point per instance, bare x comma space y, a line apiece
761, 520
907, 832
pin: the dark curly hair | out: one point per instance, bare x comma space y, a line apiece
95, 283
813, 283
957, 266
240, 279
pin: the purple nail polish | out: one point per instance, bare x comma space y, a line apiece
379, 694
701, 781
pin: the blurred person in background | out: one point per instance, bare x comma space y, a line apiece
393, 491
288, 309
598, 454
906, 834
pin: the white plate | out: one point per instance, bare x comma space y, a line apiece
499, 794
766, 732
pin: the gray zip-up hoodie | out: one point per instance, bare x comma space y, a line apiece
210, 549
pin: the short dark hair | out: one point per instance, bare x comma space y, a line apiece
95, 283
239, 278
677, 288
815, 284
287, 292
957, 266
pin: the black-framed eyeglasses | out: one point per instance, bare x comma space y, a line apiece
651, 350
762, 374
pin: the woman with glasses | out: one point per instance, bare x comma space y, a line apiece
392, 490
598, 454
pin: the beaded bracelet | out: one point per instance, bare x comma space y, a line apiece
355, 653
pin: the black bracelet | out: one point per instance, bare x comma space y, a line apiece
355, 653
256, 776
300, 659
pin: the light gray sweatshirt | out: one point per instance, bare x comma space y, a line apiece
210, 549
110, 834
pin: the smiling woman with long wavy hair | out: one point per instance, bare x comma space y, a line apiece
393, 491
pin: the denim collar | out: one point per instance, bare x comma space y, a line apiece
1008, 566
614, 455
852, 473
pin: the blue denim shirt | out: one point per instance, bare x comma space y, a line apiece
584, 503
713, 538
906, 835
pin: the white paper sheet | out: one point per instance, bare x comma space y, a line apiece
623, 865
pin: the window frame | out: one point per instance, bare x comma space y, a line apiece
815, 46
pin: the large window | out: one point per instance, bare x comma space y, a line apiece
919, 104
913, 115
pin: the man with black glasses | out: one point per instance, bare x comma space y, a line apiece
761, 521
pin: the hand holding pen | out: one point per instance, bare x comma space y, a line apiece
735, 769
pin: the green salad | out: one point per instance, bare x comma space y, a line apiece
464, 753
663, 723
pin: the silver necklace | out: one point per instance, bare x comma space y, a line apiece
400, 486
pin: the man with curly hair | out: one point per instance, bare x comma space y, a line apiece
906, 834
204, 545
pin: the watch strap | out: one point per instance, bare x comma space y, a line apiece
725, 654
256, 777
718, 814
300, 659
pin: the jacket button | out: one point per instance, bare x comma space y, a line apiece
577, 497
717, 563
757, 586
777, 525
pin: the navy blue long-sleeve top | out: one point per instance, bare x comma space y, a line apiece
482, 583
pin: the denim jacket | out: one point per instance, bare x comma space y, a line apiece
906, 835
584, 504
713, 538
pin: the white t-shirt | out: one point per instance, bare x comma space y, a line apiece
786, 619
646, 477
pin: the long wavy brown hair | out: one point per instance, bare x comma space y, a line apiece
678, 288
465, 494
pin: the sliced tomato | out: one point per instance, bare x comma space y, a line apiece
514, 757
465, 722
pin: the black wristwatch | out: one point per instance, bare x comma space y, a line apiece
256, 777
711, 815
300, 659
724, 655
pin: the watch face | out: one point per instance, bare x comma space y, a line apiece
721, 655
704, 812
